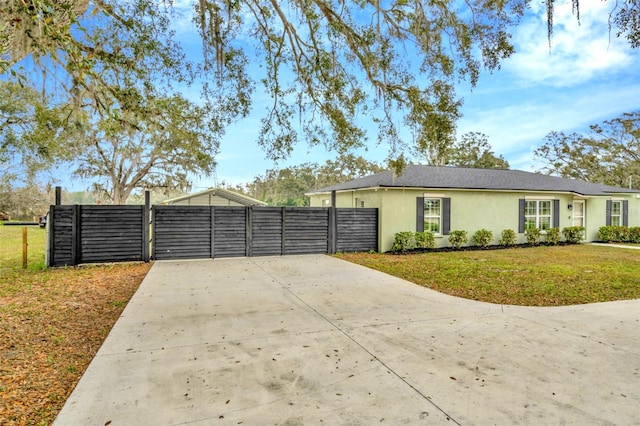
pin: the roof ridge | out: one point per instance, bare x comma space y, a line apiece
452, 177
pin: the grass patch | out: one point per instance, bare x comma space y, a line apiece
537, 276
52, 322
11, 247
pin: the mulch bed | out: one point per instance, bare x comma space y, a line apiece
51, 326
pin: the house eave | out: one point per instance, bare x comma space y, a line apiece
458, 189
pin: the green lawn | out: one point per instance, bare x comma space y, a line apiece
11, 247
539, 276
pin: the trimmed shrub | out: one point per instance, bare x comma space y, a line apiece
404, 241
553, 236
533, 236
482, 237
458, 238
508, 238
614, 234
634, 234
623, 235
573, 234
425, 240
605, 233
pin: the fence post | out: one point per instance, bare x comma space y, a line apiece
249, 233
58, 195
24, 247
145, 226
333, 228
50, 251
76, 230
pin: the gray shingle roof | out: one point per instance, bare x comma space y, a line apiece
445, 177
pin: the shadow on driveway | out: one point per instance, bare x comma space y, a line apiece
312, 339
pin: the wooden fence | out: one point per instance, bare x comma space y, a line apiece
89, 234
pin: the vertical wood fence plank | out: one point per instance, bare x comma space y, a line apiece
283, 246
145, 226
213, 232
248, 230
75, 235
153, 232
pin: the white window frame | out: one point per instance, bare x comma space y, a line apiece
536, 217
580, 215
326, 202
428, 214
616, 217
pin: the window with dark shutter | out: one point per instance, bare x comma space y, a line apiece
433, 215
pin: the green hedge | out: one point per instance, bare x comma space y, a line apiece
573, 234
405, 241
619, 234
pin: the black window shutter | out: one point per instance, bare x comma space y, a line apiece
446, 216
521, 219
556, 214
608, 223
420, 214
625, 213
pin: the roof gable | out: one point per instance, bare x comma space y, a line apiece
445, 177
220, 192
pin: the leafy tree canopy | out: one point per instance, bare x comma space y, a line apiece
286, 187
326, 66
26, 202
609, 153
158, 149
34, 133
473, 150
470, 150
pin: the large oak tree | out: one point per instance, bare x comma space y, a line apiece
327, 66
473, 150
609, 153
159, 149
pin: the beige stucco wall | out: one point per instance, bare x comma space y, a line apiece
472, 210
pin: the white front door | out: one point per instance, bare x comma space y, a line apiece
578, 213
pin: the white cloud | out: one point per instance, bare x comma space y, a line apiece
579, 51
522, 125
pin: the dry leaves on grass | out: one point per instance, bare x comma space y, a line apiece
51, 325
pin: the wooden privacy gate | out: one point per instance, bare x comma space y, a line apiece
208, 232
90, 234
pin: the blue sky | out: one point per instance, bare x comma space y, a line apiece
587, 76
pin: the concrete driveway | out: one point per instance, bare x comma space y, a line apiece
315, 340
